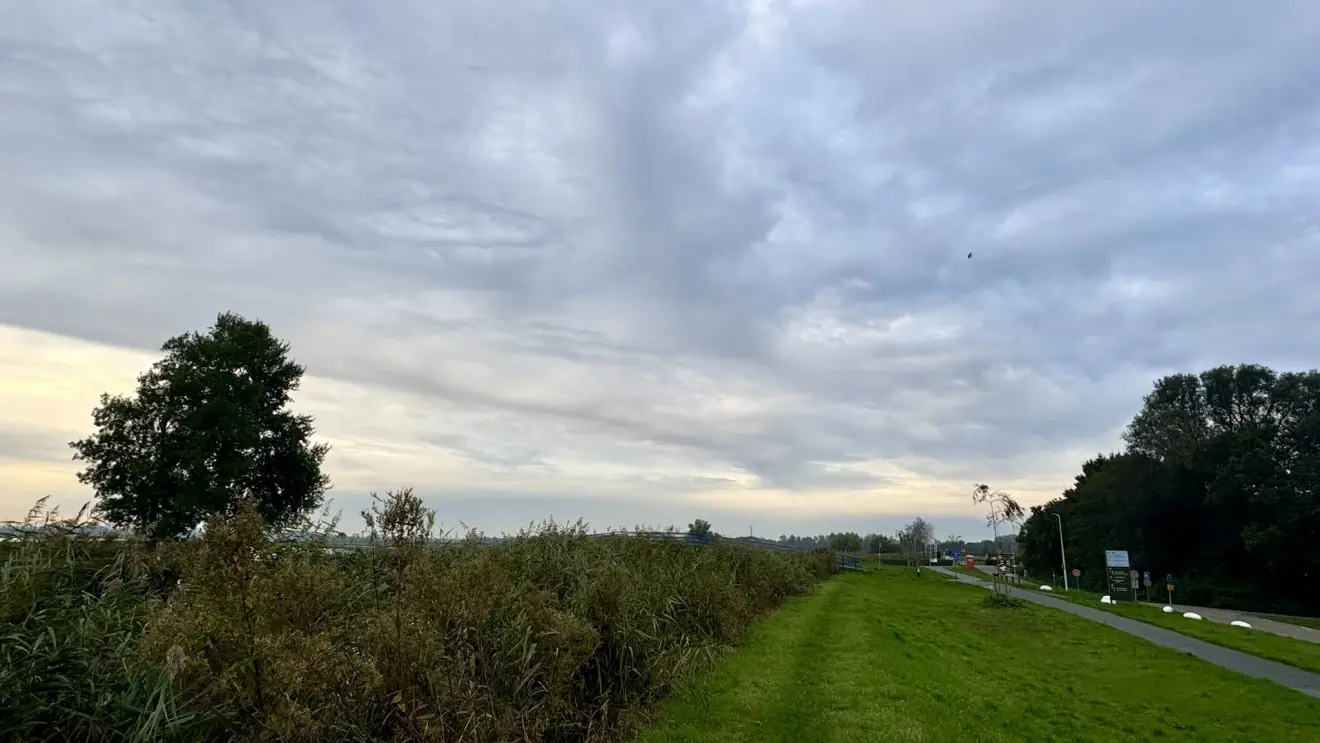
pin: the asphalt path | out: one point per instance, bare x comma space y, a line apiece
1284, 675
1258, 622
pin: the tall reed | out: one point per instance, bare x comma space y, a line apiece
554, 636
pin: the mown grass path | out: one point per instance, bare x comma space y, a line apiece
893, 657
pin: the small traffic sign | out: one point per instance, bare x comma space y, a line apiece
1146, 582
1170, 586
1076, 572
956, 554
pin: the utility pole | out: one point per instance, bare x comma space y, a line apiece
1062, 554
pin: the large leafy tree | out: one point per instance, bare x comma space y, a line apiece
208, 427
1220, 486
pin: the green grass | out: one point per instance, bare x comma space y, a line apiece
893, 657
1298, 653
1311, 622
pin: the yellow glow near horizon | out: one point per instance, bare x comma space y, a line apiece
49, 385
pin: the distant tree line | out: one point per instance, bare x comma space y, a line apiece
841, 541
983, 547
847, 541
915, 537
1219, 485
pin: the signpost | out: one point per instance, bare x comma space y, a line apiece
1169, 581
1118, 575
1145, 580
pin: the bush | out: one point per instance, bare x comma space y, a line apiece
555, 636
996, 600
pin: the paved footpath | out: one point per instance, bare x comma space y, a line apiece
1284, 675
1258, 622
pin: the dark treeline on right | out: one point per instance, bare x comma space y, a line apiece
1218, 487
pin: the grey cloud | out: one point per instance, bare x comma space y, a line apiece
33, 443
679, 202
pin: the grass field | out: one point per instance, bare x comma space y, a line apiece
1312, 622
893, 657
1299, 653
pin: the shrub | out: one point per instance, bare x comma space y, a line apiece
554, 636
996, 600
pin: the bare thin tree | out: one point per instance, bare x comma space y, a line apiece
1001, 509
917, 536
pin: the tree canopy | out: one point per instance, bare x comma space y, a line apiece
881, 543
918, 535
1219, 486
208, 427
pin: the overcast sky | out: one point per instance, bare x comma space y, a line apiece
650, 260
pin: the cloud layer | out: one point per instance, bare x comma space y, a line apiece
705, 255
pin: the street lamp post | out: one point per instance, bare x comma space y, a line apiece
1062, 554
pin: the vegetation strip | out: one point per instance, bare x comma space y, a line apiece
894, 657
1285, 675
555, 636
1297, 653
